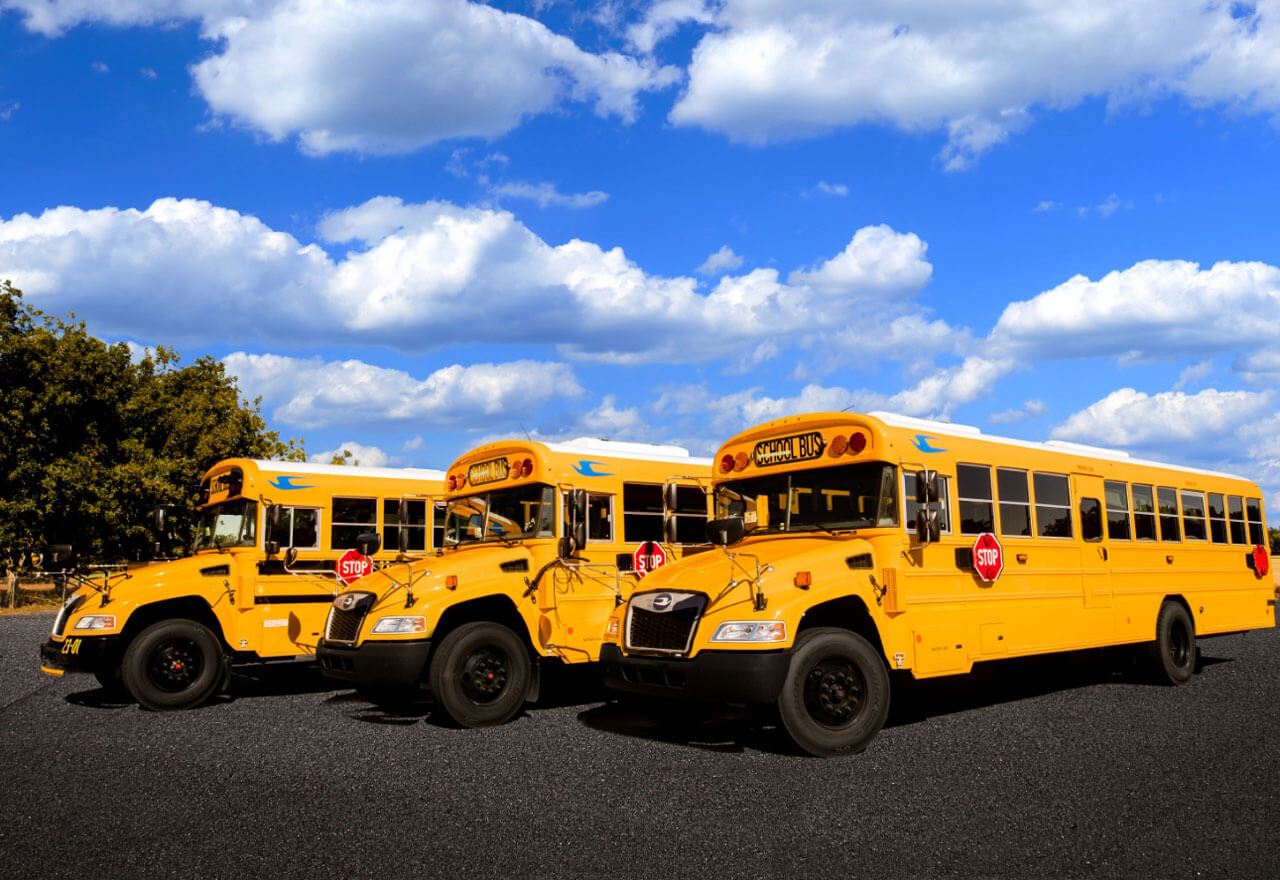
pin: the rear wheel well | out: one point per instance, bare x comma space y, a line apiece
847, 612
1179, 600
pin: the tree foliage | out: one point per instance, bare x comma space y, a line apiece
93, 442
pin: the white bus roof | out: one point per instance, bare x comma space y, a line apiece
622, 449
342, 470
949, 429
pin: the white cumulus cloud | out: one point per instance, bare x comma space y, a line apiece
364, 456
1170, 420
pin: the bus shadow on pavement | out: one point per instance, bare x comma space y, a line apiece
247, 682
740, 728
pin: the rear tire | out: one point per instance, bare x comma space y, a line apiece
836, 695
480, 674
1173, 653
174, 664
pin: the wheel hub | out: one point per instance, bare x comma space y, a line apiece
174, 666
833, 692
484, 675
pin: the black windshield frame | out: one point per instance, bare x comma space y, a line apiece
509, 514
862, 495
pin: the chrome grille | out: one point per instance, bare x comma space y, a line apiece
663, 622
346, 616
60, 623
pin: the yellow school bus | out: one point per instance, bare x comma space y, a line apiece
257, 586
541, 543
853, 545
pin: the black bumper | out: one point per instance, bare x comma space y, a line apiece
81, 653
378, 664
714, 676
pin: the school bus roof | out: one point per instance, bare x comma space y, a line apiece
595, 447
333, 470
934, 428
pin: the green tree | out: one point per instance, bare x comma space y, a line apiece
92, 442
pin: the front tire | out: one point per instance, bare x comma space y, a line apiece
480, 674
836, 695
1173, 653
174, 664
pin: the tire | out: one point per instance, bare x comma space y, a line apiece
111, 681
1173, 653
174, 664
836, 695
480, 674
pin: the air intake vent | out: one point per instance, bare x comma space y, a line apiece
346, 616
662, 622
512, 565
862, 560
215, 571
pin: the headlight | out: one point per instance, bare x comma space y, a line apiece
400, 625
96, 621
750, 631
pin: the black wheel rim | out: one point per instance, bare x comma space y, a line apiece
834, 692
1179, 645
485, 673
175, 665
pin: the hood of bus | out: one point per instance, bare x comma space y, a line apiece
822, 556
478, 571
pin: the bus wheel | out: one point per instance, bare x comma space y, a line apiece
836, 695
1174, 651
174, 664
480, 674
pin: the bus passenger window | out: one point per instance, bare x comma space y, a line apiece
1193, 524
1235, 509
973, 491
690, 515
1217, 518
1167, 501
1053, 505
599, 517
641, 512
352, 517
1257, 534
1015, 502
298, 527
414, 523
1144, 513
437, 526
1117, 498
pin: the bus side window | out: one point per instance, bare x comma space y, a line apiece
413, 520
690, 515
298, 527
1167, 501
1015, 502
1144, 513
1235, 509
352, 517
973, 491
1217, 518
1117, 498
1193, 524
1257, 534
1090, 519
437, 524
641, 512
1053, 505
600, 517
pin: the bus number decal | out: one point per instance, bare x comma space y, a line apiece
784, 450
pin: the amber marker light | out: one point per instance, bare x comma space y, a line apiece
838, 446
451, 582
804, 579
740, 461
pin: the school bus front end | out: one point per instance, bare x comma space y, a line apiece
257, 585
533, 566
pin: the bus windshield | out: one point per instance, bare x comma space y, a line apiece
503, 515
227, 524
849, 496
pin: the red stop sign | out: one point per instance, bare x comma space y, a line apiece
647, 557
352, 566
988, 557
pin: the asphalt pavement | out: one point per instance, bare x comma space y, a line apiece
1064, 767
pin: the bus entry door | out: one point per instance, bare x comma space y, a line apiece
1095, 563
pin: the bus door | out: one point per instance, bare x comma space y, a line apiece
1095, 561
576, 599
290, 606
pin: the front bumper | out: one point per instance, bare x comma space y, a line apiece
715, 676
80, 654
378, 664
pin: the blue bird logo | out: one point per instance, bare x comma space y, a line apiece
286, 483
587, 469
921, 442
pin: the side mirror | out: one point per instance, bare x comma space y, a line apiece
271, 547
290, 557
564, 548
669, 528
578, 505
58, 557
926, 486
671, 497
273, 516
723, 532
928, 526
369, 543
402, 540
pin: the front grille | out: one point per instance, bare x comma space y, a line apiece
60, 623
663, 622
345, 617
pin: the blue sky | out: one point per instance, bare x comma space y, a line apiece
413, 225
